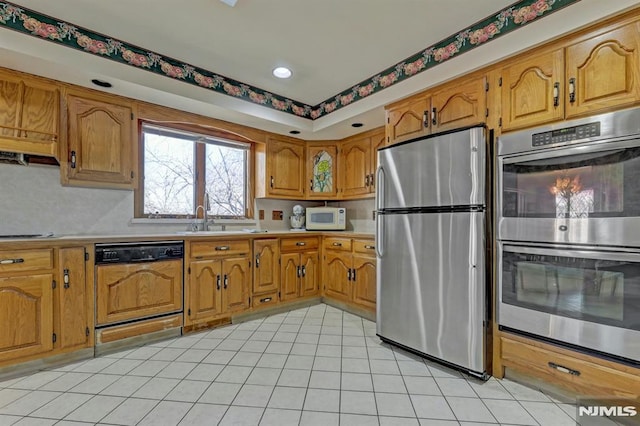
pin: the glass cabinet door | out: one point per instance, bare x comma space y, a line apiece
321, 171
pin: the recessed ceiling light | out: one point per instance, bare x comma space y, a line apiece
295, 132
101, 83
282, 72
357, 125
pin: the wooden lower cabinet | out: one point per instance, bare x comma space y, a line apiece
217, 283
266, 272
349, 271
579, 373
74, 311
26, 316
299, 267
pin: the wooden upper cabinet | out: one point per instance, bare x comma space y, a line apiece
459, 104
532, 91
285, 168
102, 144
604, 71
29, 114
355, 177
408, 120
321, 171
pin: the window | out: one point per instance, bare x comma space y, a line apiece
180, 166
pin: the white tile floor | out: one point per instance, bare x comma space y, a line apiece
312, 366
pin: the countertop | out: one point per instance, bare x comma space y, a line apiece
56, 240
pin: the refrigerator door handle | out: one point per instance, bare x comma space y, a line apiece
379, 188
379, 236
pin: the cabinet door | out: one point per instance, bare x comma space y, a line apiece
356, 156
236, 280
29, 115
605, 70
364, 281
321, 171
204, 291
377, 142
285, 168
459, 105
26, 316
532, 91
408, 120
310, 274
132, 291
73, 314
101, 143
336, 273
289, 276
266, 274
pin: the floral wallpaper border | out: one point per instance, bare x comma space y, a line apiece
45, 27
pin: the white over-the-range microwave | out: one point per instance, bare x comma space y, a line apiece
326, 218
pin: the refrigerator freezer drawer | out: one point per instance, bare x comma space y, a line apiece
431, 285
445, 170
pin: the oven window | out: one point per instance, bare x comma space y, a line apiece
602, 184
602, 291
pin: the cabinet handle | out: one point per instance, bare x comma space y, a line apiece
218, 282
257, 260
369, 247
226, 281
433, 116
372, 180
564, 369
11, 261
271, 181
222, 248
301, 243
366, 180
425, 119
65, 278
311, 184
556, 94
353, 274
266, 299
337, 244
304, 271
349, 274
298, 271
572, 90
72, 159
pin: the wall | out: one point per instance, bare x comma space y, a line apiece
32, 201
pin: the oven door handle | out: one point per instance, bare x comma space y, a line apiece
575, 252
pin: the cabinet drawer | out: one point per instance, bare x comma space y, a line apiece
364, 246
574, 372
219, 248
264, 300
339, 244
299, 244
25, 260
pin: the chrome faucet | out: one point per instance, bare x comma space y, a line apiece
205, 216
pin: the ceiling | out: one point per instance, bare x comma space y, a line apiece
330, 45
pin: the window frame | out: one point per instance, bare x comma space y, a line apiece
200, 164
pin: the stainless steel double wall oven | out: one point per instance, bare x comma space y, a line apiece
568, 229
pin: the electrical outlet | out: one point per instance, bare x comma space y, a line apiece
276, 215
261, 214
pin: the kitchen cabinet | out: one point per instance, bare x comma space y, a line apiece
459, 104
349, 271
29, 114
533, 90
74, 310
577, 372
358, 159
266, 272
102, 143
299, 267
603, 71
126, 291
322, 165
280, 169
219, 278
408, 119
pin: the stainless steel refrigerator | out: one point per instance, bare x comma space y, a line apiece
431, 243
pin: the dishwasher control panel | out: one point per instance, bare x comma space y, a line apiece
139, 252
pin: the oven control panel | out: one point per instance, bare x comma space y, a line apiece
566, 134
